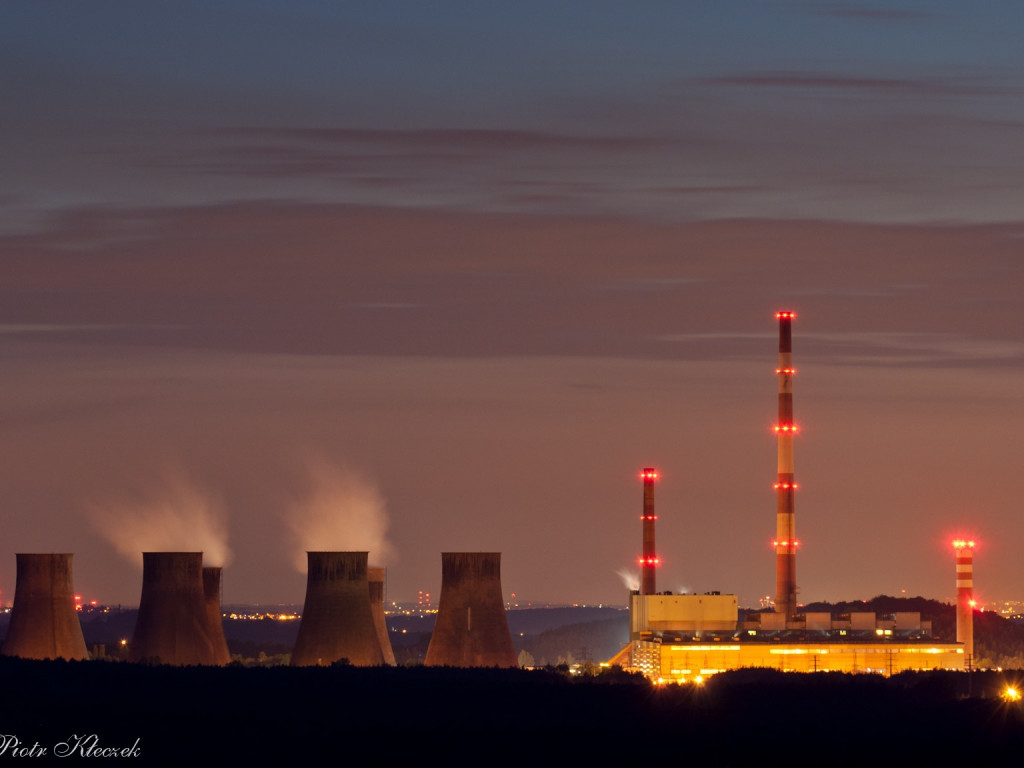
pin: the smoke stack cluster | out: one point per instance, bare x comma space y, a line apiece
376, 578
785, 485
337, 618
965, 596
471, 629
173, 625
649, 561
44, 622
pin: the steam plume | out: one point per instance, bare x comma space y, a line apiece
176, 516
343, 512
630, 578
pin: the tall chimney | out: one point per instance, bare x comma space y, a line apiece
214, 619
471, 629
44, 622
337, 620
965, 597
376, 577
785, 486
172, 625
649, 561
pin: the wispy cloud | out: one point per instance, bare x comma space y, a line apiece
876, 13
858, 84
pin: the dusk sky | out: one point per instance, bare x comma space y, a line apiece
424, 277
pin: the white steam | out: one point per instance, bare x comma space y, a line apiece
174, 516
630, 578
343, 512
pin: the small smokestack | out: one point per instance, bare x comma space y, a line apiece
785, 486
172, 625
965, 597
44, 622
649, 562
337, 620
376, 577
471, 629
214, 619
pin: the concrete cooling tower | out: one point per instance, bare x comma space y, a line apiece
376, 578
214, 620
172, 626
337, 620
471, 629
44, 623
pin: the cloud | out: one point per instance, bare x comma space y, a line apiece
864, 12
839, 82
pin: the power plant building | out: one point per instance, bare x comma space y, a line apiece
471, 629
173, 624
44, 620
686, 637
214, 619
337, 618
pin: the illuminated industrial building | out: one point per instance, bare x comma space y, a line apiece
683, 638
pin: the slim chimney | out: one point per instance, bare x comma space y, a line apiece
471, 629
337, 620
44, 622
785, 486
172, 625
965, 597
376, 577
214, 619
649, 561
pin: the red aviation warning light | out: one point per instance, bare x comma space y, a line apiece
649, 474
791, 429
786, 486
785, 315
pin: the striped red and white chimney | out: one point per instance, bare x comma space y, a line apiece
649, 561
785, 484
965, 596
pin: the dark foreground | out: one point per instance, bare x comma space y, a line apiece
392, 716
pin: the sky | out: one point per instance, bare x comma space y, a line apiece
413, 278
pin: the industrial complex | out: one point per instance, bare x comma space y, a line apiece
687, 637
672, 637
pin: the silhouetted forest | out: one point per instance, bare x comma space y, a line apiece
383, 716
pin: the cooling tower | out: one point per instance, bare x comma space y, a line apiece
214, 620
785, 484
172, 626
376, 578
44, 623
471, 629
965, 597
649, 561
337, 620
